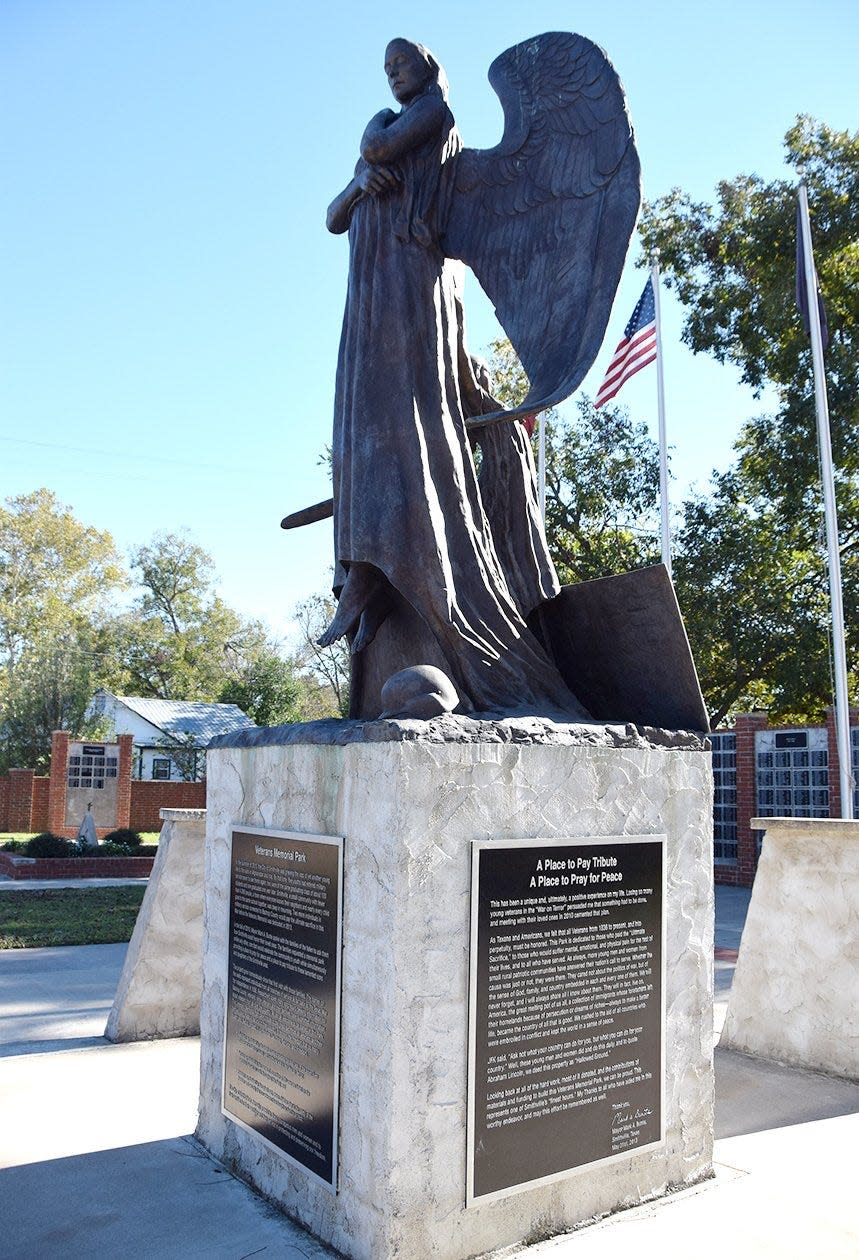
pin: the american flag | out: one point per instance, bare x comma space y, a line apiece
636, 349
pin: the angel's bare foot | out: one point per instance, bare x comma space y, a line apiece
360, 584
378, 607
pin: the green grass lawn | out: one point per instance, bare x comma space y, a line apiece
68, 916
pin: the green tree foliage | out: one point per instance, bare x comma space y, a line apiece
269, 690
61, 637
749, 570
54, 572
57, 578
327, 668
180, 641
750, 582
732, 266
602, 481
602, 486
50, 691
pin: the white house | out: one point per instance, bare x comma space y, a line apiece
156, 725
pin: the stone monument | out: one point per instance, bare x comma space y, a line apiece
457, 950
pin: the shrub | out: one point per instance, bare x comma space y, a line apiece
47, 845
13, 846
122, 835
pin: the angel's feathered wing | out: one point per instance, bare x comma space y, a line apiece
544, 218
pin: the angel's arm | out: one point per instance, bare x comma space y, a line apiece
340, 210
367, 179
388, 136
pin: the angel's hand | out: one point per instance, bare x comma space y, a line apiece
377, 179
383, 119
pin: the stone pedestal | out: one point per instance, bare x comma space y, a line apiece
795, 993
409, 798
158, 994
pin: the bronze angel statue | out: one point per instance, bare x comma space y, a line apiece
434, 568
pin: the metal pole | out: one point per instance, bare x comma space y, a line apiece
842, 710
664, 519
541, 463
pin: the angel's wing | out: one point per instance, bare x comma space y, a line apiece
544, 218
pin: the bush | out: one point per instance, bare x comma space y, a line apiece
123, 850
124, 836
47, 845
13, 846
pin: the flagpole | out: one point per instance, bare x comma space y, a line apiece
842, 711
541, 463
664, 520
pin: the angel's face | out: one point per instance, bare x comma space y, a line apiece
406, 70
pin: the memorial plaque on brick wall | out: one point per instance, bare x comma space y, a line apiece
566, 1016
282, 1034
92, 774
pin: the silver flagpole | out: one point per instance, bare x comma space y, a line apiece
664, 519
541, 463
842, 711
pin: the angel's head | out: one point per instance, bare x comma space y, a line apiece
411, 69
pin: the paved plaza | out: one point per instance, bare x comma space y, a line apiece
96, 1157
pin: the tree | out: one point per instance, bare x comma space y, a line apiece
602, 481
54, 572
180, 640
57, 578
269, 690
51, 690
329, 667
750, 555
733, 267
751, 586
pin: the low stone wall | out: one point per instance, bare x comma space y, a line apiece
794, 993
158, 994
15, 866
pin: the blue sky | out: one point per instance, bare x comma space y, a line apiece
171, 301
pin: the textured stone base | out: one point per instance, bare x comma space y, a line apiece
409, 809
158, 994
795, 993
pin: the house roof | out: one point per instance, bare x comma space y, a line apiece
180, 717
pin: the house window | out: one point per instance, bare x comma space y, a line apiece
161, 767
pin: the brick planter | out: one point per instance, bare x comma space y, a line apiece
15, 866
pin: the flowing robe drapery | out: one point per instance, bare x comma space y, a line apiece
406, 499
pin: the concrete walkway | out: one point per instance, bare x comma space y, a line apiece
85, 1122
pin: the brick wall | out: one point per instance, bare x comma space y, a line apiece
148, 796
16, 867
746, 727
32, 799
39, 812
123, 782
20, 811
23, 800
834, 776
743, 874
58, 785
28, 803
